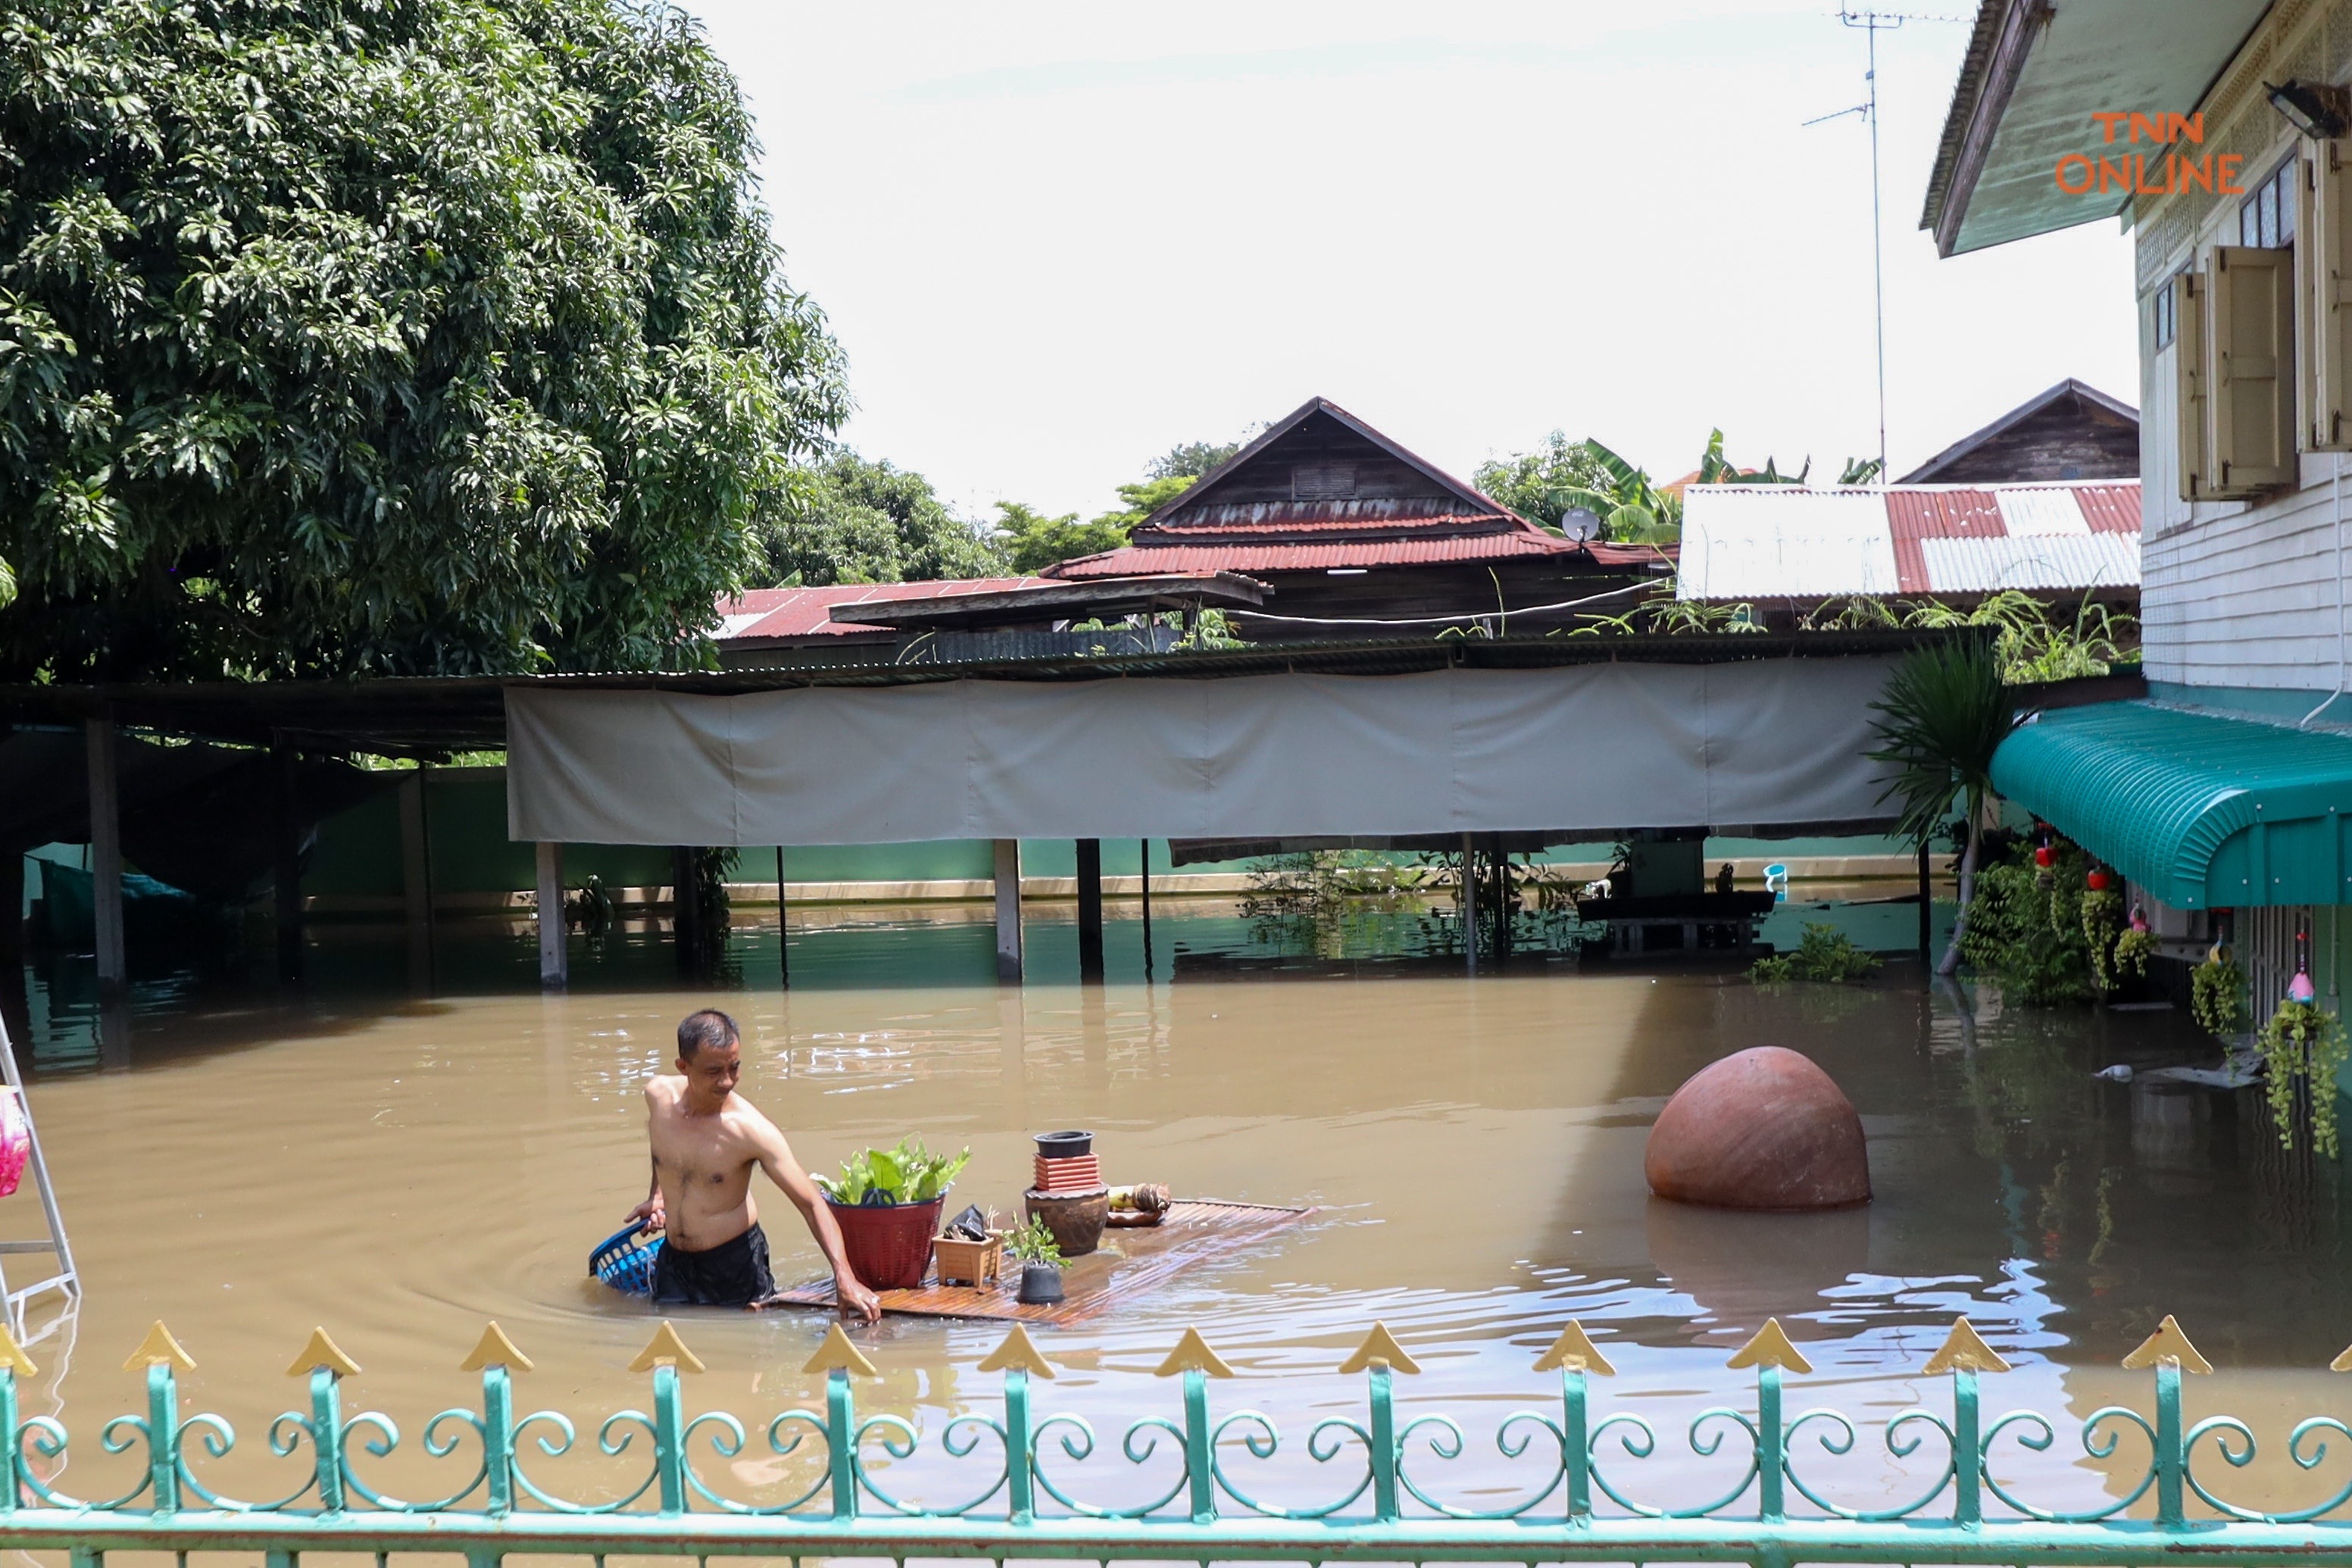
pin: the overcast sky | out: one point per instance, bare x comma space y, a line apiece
1055, 240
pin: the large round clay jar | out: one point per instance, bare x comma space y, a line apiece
1765, 1129
1077, 1219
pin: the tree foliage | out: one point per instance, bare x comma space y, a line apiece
1032, 540
1190, 460
1634, 509
383, 336
851, 520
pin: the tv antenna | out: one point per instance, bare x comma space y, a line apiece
1873, 23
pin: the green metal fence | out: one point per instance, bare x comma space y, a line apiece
1020, 1502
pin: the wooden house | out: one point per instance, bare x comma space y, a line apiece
2073, 431
1356, 537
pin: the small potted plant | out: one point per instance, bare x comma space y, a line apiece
1034, 1248
886, 1202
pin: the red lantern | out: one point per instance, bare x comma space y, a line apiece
2044, 856
2097, 880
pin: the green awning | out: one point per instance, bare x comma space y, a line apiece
2201, 811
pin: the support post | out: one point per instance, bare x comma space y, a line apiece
554, 957
1926, 908
1008, 910
286, 863
783, 926
11, 907
1090, 919
685, 912
1144, 858
1470, 900
417, 880
106, 849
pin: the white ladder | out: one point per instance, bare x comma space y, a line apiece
64, 1280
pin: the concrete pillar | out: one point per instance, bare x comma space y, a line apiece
554, 965
783, 925
1090, 924
1008, 910
286, 863
106, 849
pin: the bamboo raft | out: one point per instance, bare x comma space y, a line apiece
1130, 1263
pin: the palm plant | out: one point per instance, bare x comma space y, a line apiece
1946, 713
1630, 507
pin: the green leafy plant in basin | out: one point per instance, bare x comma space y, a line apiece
909, 1174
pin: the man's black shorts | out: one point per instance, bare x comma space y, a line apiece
732, 1274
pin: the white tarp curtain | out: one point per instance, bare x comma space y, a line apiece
1754, 744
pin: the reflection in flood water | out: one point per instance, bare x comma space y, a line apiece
400, 1162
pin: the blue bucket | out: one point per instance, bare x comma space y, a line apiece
625, 1260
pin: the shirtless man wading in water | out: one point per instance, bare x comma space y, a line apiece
706, 1138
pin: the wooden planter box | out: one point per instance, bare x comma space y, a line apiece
962, 1262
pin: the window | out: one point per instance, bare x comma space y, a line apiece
1323, 481
2167, 311
2266, 217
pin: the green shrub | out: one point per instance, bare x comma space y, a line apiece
1826, 955
2217, 993
2029, 937
2303, 1040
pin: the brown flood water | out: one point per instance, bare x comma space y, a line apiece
400, 1170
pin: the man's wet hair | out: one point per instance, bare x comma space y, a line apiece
709, 1027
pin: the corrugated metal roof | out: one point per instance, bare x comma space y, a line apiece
808, 612
2112, 508
2204, 812
1746, 542
1137, 559
2069, 562
1771, 541
1406, 511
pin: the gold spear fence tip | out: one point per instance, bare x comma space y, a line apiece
494, 1349
1770, 1347
1964, 1350
160, 1349
2167, 1345
1575, 1351
665, 1349
322, 1352
837, 1355
1380, 1349
12, 1354
1192, 1355
1017, 1353
2342, 1362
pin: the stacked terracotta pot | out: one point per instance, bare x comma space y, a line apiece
1069, 1195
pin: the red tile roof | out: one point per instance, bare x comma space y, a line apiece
807, 612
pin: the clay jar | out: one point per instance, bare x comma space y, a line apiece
1765, 1129
1077, 1219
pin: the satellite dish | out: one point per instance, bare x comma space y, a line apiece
1580, 523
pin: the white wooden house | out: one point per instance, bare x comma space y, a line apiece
2218, 132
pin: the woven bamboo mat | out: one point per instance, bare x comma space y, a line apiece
1129, 1263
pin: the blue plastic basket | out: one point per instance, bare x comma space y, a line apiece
625, 1260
